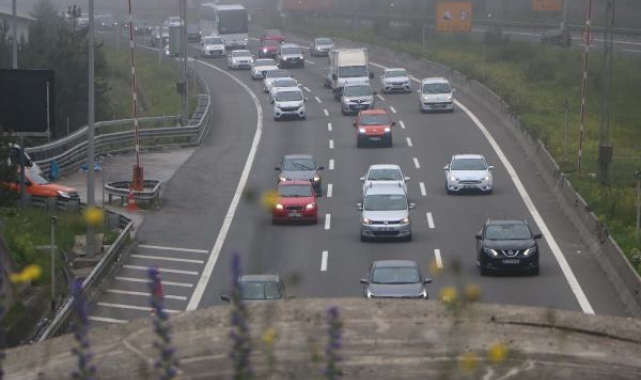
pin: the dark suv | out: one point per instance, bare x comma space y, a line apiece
507, 245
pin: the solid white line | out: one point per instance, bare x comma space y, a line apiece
107, 320
170, 283
416, 164
131, 307
392, 109
439, 261
409, 142
631, 51
324, 261
328, 219
331, 164
430, 220
422, 186
310, 62
162, 270
331, 144
412, 77
172, 248
307, 89
330, 187
380, 97
329, 127
240, 191
143, 294
402, 124
318, 99
582, 299
167, 259
325, 112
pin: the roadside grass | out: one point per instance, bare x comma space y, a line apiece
535, 80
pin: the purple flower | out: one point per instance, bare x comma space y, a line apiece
239, 334
167, 364
334, 332
80, 328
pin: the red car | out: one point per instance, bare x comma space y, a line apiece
373, 126
268, 49
273, 35
296, 203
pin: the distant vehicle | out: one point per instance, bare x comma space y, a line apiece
239, 59
301, 167
173, 21
306, 5
468, 172
321, 47
168, 52
395, 279
261, 66
14, 159
270, 75
396, 79
507, 245
282, 84
356, 97
212, 46
193, 33
141, 27
229, 21
346, 66
289, 102
374, 126
290, 55
296, 203
259, 287
385, 213
436, 94
104, 20
272, 35
388, 174
268, 49
160, 36
37, 185
555, 37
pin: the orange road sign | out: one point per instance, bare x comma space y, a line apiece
547, 5
454, 16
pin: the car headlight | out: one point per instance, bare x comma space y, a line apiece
63, 194
366, 221
454, 179
279, 206
264, 50
387, 129
369, 294
246, 39
361, 130
423, 294
491, 251
310, 206
316, 178
486, 178
425, 99
530, 251
405, 220
282, 178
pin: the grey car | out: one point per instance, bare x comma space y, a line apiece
259, 287
395, 279
321, 47
385, 213
301, 167
356, 97
468, 172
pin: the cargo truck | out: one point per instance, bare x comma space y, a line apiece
347, 65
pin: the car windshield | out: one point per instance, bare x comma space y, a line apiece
507, 232
384, 202
288, 96
374, 120
271, 43
385, 175
277, 74
295, 190
324, 41
357, 91
299, 164
285, 82
395, 73
192, 29
468, 164
265, 62
352, 71
396, 275
259, 290
241, 53
36, 178
213, 41
290, 50
437, 88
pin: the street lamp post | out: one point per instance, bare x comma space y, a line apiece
423, 37
637, 174
566, 108
53, 262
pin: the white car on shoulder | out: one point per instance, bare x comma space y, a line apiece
396, 79
384, 174
212, 46
240, 59
282, 84
261, 66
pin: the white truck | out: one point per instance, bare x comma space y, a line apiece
347, 65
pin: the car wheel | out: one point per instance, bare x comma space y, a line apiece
302, 65
390, 143
483, 271
343, 111
535, 271
409, 237
447, 190
489, 191
359, 142
276, 118
363, 238
274, 221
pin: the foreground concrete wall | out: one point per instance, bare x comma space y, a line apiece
391, 339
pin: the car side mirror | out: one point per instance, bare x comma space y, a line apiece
490, 167
412, 206
371, 75
427, 281
354, 124
363, 281
277, 168
407, 179
333, 76
225, 297
306, 99
538, 236
393, 123
362, 179
272, 101
453, 90
321, 168
478, 236
359, 206
446, 167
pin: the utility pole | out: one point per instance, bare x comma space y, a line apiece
53, 262
566, 108
605, 145
584, 83
564, 25
183, 8
90, 132
14, 22
637, 175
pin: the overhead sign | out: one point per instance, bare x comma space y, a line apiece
454, 16
547, 5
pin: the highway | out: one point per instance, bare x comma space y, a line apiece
192, 237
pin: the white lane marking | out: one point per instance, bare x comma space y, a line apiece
329, 127
144, 294
416, 164
582, 299
330, 187
422, 186
310, 62
107, 320
162, 270
318, 99
328, 220
380, 97
631, 51
430, 220
402, 124
392, 109
161, 248
169, 283
307, 89
331, 164
197, 296
167, 259
325, 112
331, 144
437, 256
132, 307
412, 77
409, 142
324, 261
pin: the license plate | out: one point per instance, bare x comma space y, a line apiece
387, 229
469, 186
511, 261
375, 138
294, 214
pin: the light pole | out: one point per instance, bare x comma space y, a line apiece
53, 262
423, 35
90, 130
566, 107
14, 26
637, 175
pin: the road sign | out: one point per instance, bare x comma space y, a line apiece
547, 5
454, 16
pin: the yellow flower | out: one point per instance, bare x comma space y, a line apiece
497, 352
435, 269
270, 199
29, 273
472, 292
269, 337
468, 362
448, 294
94, 216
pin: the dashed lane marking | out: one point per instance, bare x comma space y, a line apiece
422, 186
329, 127
324, 261
409, 142
144, 294
380, 97
331, 164
318, 99
167, 259
331, 144
330, 187
437, 256
307, 89
392, 109
430, 220
402, 124
107, 320
325, 112
416, 164
328, 221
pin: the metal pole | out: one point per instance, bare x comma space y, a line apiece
183, 6
605, 146
53, 262
423, 37
638, 175
355, 27
564, 23
14, 22
566, 107
22, 179
90, 131
584, 84
138, 181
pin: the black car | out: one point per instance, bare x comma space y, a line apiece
193, 33
259, 287
395, 279
301, 167
507, 245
